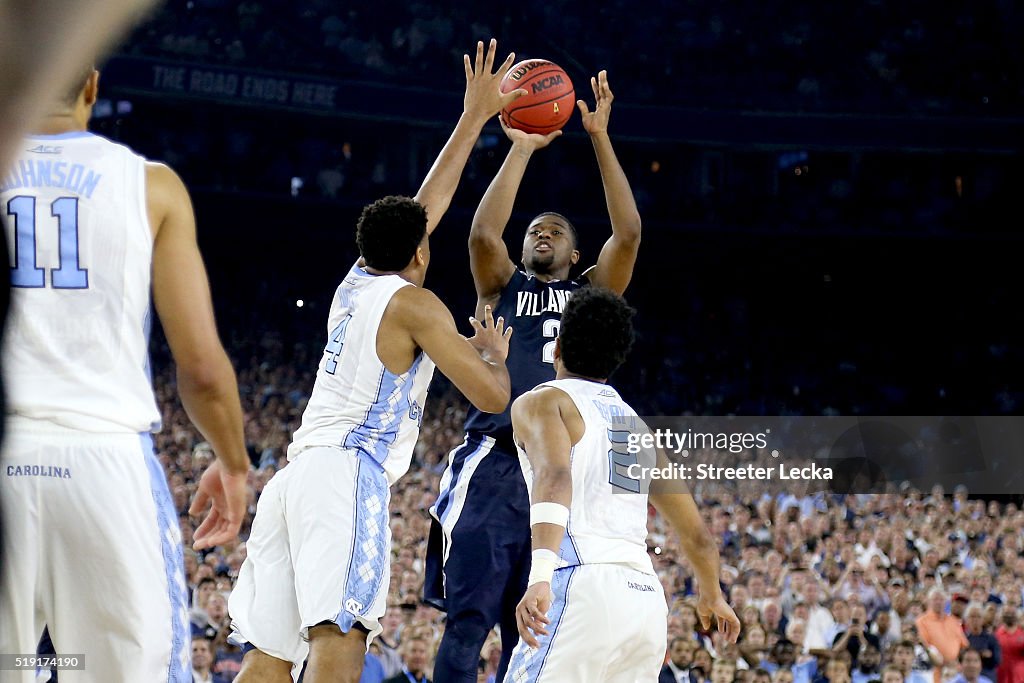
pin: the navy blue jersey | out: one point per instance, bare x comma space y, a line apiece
534, 310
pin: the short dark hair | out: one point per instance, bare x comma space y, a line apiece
596, 332
568, 223
389, 231
965, 652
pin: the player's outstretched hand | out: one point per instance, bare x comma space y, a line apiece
596, 121
226, 491
532, 613
491, 338
531, 141
727, 621
484, 98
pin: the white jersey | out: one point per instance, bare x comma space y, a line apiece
607, 520
356, 402
76, 350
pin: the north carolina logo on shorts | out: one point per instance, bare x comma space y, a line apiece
353, 606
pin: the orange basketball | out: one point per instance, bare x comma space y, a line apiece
549, 101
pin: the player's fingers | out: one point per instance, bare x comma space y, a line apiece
593, 86
476, 324
488, 317
499, 326
510, 97
492, 49
551, 136
204, 529
705, 620
584, 109
469, 67
479, 65
602, 82
199, 503
508, 334
507, 64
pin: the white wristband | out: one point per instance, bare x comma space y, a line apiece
549, 513
543, 566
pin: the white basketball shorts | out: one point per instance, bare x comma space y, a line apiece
319, 552
92, 550
608, 624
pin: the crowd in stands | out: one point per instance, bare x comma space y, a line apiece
871, 57
922, 587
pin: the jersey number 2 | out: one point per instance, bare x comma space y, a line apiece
25, 273
550, 331
334, 343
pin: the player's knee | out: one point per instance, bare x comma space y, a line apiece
463, 640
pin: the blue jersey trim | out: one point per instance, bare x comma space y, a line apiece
174, 566
70, 135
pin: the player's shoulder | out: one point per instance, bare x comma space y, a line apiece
542, 398
415, 305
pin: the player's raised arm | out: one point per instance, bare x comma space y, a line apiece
488, 255
614, 267
206, 380
545, 421
476, 365
681, 512
483, 100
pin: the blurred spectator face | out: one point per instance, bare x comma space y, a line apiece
755, 637
784, 654
682, 652
217, 608
891, 675
756, 586
751, 616
416, 656
869, 658
801, 611
761, 677
903, 658
841, 611
723, 671
740, 596
688, 618
206, 589
970, 664
201, 655
772, 613
702, 658
392, 619
785, 676
797, 631
836, 672
1009, 617
811, 592
936, 601
858, 615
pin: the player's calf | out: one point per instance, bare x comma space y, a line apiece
334, 656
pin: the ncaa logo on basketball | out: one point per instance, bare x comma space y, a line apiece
545, 83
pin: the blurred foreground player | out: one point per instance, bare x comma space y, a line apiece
595, 609
315, 581
93, 227
478, 555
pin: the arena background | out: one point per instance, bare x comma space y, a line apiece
829, 197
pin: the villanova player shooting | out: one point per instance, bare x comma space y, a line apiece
478, 557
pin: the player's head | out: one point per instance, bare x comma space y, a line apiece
77, 99
549, 247
392, 237
595, 335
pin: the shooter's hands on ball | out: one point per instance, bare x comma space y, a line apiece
491, 339
596, 122
227, 493
531, 613
717, 607
528, 141
483, 96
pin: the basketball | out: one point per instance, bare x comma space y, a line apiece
549, 101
